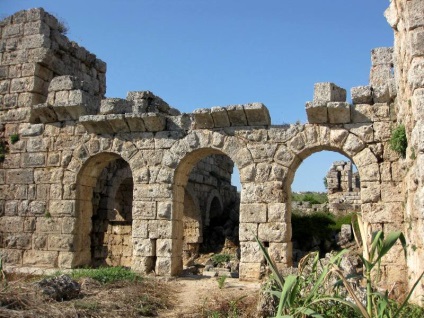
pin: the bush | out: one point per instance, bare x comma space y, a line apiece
398, 141
219, 259
312, 197
307, 227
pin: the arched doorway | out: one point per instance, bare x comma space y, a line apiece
210, 206
104, 212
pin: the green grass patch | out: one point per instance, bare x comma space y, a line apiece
312, 197
106, 274
219, 259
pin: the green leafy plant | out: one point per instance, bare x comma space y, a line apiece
106, 274
398, 141
221, 281
2, 151
14, 138
219, 259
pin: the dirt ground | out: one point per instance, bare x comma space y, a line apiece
190, 296
197, 296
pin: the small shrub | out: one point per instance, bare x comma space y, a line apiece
312, 197
219, 259
307, 227
398, 141
221, 281
14, 138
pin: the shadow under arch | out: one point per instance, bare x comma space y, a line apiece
182, 187
87, 203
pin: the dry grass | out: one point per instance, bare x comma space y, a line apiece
143, 298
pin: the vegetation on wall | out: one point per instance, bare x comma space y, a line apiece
311, 197
398, 140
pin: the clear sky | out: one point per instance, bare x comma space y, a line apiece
199, 54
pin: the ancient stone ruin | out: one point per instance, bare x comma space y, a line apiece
88, 180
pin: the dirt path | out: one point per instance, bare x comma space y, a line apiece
197, 295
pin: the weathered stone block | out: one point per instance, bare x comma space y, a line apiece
220, 117
274, 232
380, 75
414, 9
236, 115
62, 242
328, 92
277, 212
361, 94
62, 207
251, 252
257, 114
317, 113
338, 112
20, 176
117, 123
154, 122
248, 232
363, 113
65, 83
115, 106
254, 212
164, 210
203, 118
40, 258
250, 271
382, 55
281, 252
164, 248
160, 229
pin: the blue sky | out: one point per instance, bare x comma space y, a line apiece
197, 54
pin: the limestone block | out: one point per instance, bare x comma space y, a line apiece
62, 207
20, 176
253, 213
48, 225
317, 113
370, 172
180, 122
250, 271
257, 114
65, 83
415, 73
96, 124
160, 229
203, 118
220, 117
44, 113
27, 84
144, 210
39, 241
154, 122
380, 74
416, 42
328, 92
262, 152
363, 131
267, 192
363, 113
297, 144
248, 231
276, 232
382, 55
414, 9
117, 122
61, 242
163, 266
33, 160
382, 131
338, 112
338, 137
353, 145
115, 106
135, 122
281, 252
277, 212
30, 130
391, 15
285, 157
250, 252
144, 247
361, 94
236, 115
387, 212
40, 258
370, 192
417, 101
391, 192
164, 248
48, 175
164, 210
17, 240
381, 94
11, 256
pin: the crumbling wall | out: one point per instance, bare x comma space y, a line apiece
407, 20
343, 188
68, 134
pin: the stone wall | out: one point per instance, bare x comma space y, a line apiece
407, 20
68, 133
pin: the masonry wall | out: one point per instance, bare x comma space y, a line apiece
407, 20
68, 133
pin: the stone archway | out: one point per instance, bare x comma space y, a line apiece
204, 165
104, 191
